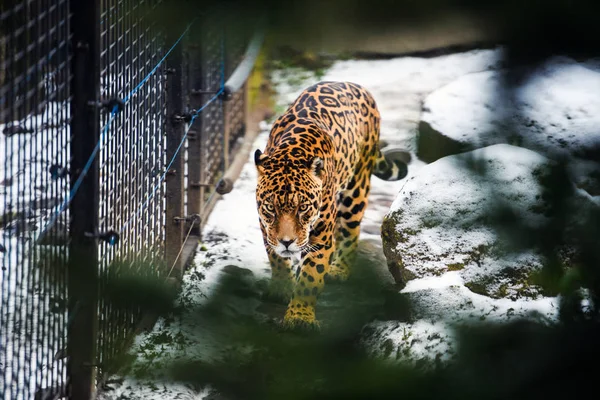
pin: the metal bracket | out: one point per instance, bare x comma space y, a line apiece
155, 172
192, 135
185, 117
56, 171
197, 92
111, 237
109, 105
194, 218
226, 94
82, 46
197, 185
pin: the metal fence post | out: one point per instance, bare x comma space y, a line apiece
196, 189
175, 177
83, 248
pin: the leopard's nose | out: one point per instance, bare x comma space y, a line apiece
286, 243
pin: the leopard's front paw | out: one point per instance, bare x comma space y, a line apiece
302, 318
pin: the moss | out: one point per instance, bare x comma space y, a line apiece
391, 234
429, 221
434, 271
502, 291
486, 287
455, 266
387, 347
477, 254
520, 280
479, 287
511, 283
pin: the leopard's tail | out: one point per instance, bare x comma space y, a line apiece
391, 164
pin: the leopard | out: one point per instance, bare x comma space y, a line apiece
314, 177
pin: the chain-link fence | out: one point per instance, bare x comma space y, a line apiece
115, 131
35, 72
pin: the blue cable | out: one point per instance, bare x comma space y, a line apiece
114, 111
164, 174
79, 180
157, 65
193, 118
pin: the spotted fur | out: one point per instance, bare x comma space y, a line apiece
313, 186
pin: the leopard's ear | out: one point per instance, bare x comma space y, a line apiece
259, 157
316, 167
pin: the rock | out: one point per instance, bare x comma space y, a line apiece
554, 112
437, 307
444, 220
236, 271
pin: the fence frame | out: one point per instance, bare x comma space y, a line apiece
197, 97
175, 178
84, 208
189, 83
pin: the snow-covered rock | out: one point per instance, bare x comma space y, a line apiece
440, 238
553, 111
444, 220
438, 306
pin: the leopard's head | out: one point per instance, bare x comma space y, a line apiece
288, 196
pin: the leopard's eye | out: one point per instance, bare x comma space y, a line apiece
269, 207
303, 207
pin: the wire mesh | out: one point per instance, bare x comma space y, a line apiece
213, 55
235, 111
236, 120
211, 132
34, 153
131, 160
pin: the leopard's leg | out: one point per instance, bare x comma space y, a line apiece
309, 284
281, 285
352, 204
